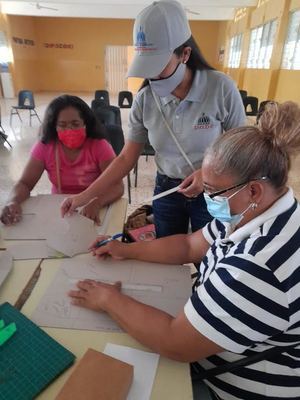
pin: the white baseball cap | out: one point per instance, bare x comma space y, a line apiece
158, 30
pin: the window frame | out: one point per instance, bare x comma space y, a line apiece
291, 53
261, 45
235, 51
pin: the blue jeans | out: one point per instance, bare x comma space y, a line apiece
173, 213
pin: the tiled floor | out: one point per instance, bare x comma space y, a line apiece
22, 136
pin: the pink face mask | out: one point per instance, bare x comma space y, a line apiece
72, 138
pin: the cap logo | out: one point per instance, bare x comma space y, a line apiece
141, 45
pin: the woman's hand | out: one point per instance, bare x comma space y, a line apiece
91, 210
93, 295
69, 205
114, 248
192, 186
11, 213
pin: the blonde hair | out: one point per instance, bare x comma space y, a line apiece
251, 152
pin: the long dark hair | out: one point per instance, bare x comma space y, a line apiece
196, 59
195, 62
48, 132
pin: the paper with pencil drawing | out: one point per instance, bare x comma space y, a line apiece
41, 220
71, 235
166, 287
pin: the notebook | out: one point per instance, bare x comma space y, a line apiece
30, 359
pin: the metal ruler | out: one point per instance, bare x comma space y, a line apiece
26, 292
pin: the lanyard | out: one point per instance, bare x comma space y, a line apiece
172, 134
57, 169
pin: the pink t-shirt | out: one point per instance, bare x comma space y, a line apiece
75, 175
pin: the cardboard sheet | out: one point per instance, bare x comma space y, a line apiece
41, 220
6, 264
166, 287
31, 250
98, 377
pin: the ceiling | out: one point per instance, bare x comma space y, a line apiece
196, 9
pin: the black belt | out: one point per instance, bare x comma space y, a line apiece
168, 179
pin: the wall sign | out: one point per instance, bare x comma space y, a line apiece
27, 42
58, 46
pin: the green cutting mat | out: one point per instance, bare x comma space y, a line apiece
30, 359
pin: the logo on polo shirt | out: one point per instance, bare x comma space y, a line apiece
141, 45
203, 122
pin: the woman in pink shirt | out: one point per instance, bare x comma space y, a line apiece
73, 151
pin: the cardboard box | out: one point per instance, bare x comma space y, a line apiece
98, 377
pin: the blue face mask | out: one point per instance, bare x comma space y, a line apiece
163, 87
219, 208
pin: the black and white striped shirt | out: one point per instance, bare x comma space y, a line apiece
248, 300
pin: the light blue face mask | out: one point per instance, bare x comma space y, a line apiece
163, 87
219, 208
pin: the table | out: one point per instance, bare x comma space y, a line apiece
172, 379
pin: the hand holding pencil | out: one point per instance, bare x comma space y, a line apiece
109, 246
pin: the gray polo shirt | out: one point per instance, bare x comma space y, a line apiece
213, 105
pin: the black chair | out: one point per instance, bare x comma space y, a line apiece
115, 136
3, 135
25, 102
96, 103
253, 103
125, 99
102, 95
105, 116
262, 108
243, 94
148, 151
108, 115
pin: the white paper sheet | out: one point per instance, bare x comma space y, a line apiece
6, 264
145, 366
166, 287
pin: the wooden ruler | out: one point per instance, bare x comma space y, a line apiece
26, 292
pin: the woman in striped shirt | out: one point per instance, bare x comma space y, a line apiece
247, 295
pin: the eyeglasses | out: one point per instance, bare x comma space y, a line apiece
69, 125
219, 192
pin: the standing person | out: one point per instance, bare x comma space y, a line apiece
183, 106
73, 150
247, 297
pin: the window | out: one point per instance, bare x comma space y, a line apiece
291, 51
235, 51
4, 50
261, 45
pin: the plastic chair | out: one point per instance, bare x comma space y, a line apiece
98, 103
243, 94
102, 95
148, 151
105, 116
125, 99
253, 103
108, 115
25, 102
262, 107
3, 135
116, 138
